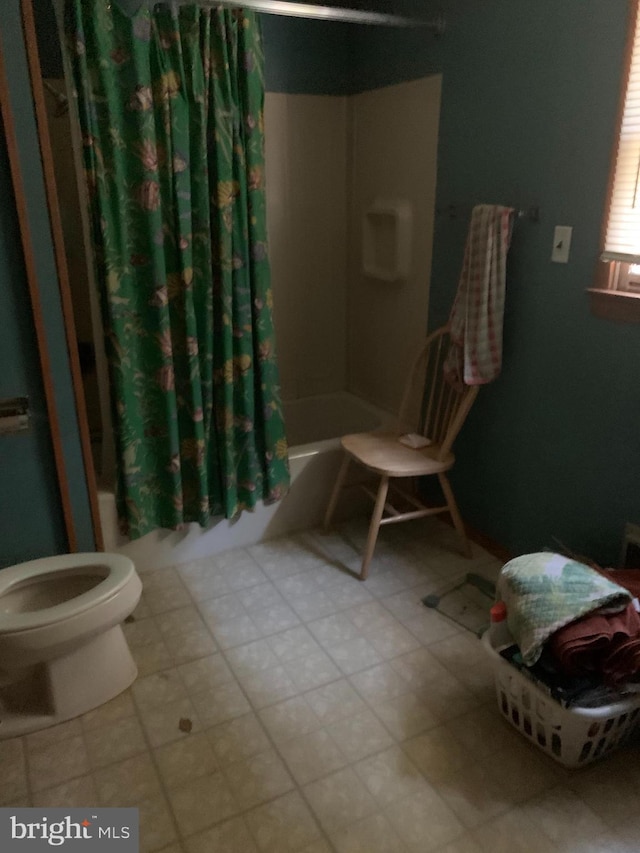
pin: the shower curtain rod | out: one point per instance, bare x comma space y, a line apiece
331, 13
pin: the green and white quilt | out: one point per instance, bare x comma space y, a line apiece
545, 591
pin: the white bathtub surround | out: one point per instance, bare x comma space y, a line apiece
331, 161
314, 426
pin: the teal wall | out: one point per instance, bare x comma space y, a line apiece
31, 522
306, 56
552, 448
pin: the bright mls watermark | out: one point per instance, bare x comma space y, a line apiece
69, 830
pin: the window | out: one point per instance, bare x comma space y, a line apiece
619, 276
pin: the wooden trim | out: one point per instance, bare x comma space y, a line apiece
36, 305
616, 305
61, 264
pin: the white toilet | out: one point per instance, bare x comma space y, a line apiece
62, 649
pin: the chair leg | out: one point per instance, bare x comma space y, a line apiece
333, 500
455, 515
374, 527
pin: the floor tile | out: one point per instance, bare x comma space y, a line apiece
464, 656
241, 574
360, 735
186, 759
204, 582
190, 645
233, 631
57, 763
353, 655
258, 779
564, 817
291, 718
221, 703
13, 781
373, 834
202, 802
141, 632
472, 793
310, 607
272, 620
524, 771
438, 754
284, 557
379, 683
77, 793
340, 799
312, 756
179, 621
335, 628
117, 709
423, 821
158, 689
128, 782
170, 596
320, 846
609, 788
512, 832
232, 836
390, 776
483, 730
238, 739
251, 658
269, 687
205, 674
405, 715
292, 644
334, 701
53, 734
115, 742
163, 724
157, 829
260, 597
284, 825
312, 670
151, 658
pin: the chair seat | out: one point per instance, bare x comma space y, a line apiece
383, 453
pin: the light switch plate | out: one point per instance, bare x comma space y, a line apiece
561, 244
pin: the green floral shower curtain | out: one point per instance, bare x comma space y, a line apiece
171, 113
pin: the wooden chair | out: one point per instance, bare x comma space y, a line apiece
431, 407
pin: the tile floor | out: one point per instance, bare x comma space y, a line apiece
327, 715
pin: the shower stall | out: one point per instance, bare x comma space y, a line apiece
350, 204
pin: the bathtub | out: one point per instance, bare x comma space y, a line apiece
314, 427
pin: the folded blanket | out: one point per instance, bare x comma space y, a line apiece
543, 592
601, 644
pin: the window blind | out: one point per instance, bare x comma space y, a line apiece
622, 242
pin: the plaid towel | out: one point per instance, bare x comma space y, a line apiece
475, 357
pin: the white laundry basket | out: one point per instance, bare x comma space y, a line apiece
572, 736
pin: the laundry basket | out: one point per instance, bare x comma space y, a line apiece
572, 736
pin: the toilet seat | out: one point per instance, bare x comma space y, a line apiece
120, 570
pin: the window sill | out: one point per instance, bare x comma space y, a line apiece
615, 305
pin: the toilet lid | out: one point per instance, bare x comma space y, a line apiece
120, 570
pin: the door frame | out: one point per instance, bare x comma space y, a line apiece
57, 239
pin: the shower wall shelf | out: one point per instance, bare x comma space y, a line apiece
386, 239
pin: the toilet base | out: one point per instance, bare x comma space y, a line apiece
70, 685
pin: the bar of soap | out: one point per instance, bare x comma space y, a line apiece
415, 441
